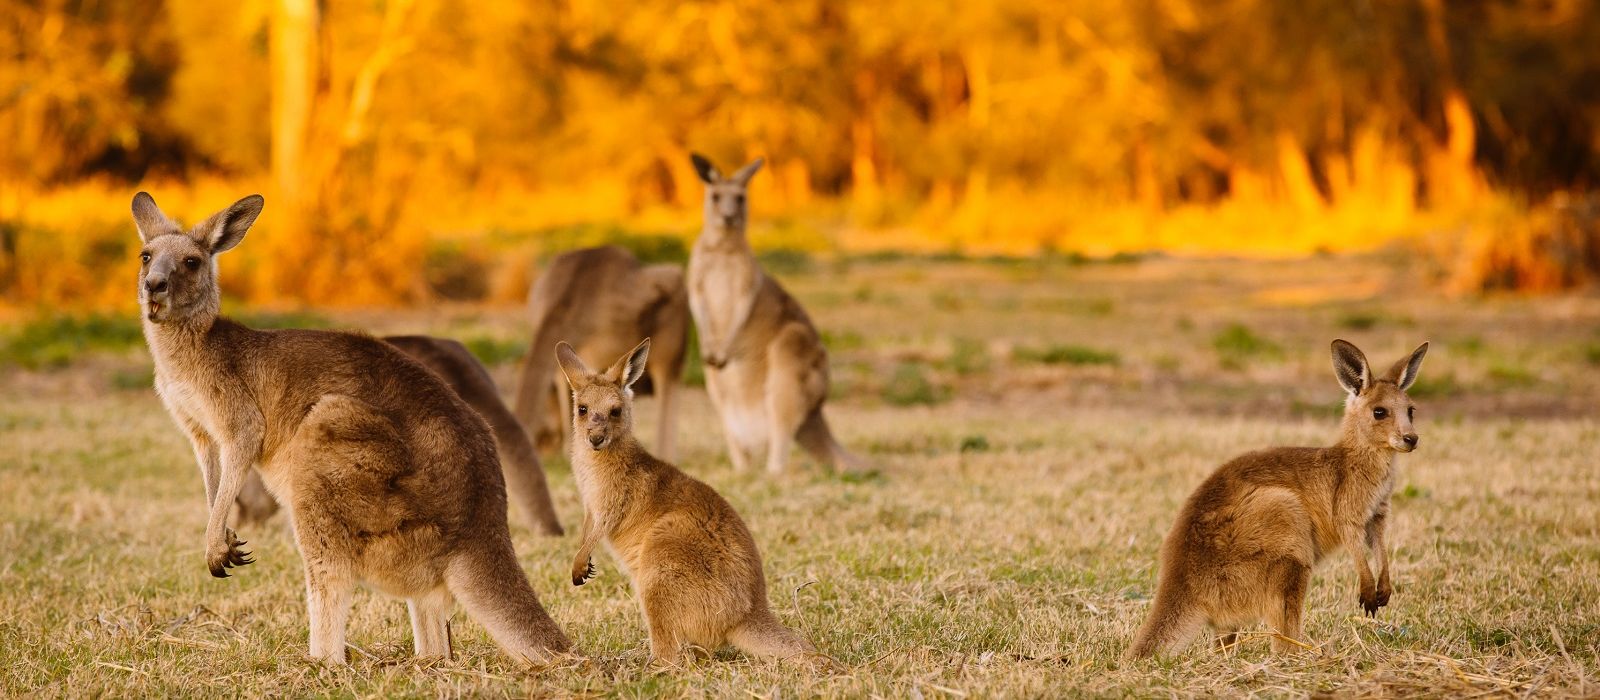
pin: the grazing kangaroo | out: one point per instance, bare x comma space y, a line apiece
390, 478
601, 300
1245, 542
694, 567
766, 369
524, 476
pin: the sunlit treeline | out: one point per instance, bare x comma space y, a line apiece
381, 131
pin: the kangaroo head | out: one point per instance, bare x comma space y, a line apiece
726, 207
1378, 413
178, 269
602, 404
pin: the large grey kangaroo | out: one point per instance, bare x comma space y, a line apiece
391, 479
766, 369
524, 474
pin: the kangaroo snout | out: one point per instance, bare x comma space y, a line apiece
156, 285
1410, 439
597, 440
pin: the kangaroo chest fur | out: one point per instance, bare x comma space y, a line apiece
722, 283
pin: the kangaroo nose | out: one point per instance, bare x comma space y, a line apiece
596, 440
156, 286
1410, 440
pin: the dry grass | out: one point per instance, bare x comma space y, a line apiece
1007, 547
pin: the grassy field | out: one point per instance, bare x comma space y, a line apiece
1035, 427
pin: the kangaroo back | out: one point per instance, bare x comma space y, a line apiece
524, 475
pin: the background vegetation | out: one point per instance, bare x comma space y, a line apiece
408, 145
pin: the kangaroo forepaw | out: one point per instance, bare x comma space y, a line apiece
228, 555
1371, 600
581, 575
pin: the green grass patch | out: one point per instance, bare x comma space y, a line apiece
968, 357
1066, 355
842, 341
491, 350
910, 386
1237, 344
56, 341
694, 369
786, 261
1511, 375
648, 246
1435, 385
974, 443
1591, 353
133, 379
283, 319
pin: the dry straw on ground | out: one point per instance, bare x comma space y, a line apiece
1007, 547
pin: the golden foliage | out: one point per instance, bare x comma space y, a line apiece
379, 130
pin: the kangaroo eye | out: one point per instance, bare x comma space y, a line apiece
1411, 411
583, 410
716, 197
1380, 413
616, 413
739, 199
144, 258
192, 263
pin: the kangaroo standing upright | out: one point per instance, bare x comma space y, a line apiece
465, 375
766, 369
1244, 545
694, 566
391, 480
602, 300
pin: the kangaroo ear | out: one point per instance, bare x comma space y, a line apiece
1350, 366
572, 366
226, 228
1404, 372
708, 172
147, 217
631, 367
745, 173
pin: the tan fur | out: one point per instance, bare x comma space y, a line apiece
1245, 543
469, 379
602, 300
693, 564
390, 478
766, 369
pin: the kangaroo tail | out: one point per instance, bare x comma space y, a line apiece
495, 593
817, 439
762, 635
1171, 624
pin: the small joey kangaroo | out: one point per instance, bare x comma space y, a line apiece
390, 478
1244, 544
766, 369
524, 474
602, 300
693, 564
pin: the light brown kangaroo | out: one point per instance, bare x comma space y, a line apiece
1245, 542
694, 567
602, 300
766, 369
390, 478
524, 475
